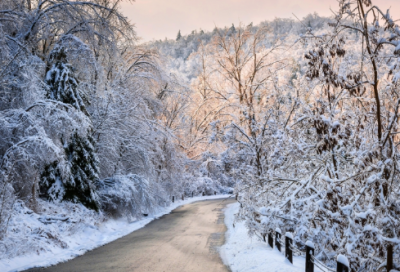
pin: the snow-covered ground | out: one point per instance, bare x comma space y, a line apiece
244, 254
87, 236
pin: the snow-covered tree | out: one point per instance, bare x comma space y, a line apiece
84, 171
51, 185
61, 81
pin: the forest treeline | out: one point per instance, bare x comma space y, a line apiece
299, 115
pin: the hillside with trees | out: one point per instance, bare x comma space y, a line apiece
303, 114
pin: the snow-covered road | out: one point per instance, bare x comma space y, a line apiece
187, 239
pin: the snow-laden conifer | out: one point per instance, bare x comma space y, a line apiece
62, 84
84, 171
178, 36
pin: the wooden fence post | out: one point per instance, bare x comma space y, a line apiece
342, 264
192, 194
278, 238
183, 197
288, 245
236, 197
309, 253
389, 259
270, 240
173, 199
204, 194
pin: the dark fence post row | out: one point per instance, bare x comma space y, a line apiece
342, 261
288, 246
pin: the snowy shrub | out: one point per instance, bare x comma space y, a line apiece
128, 196
7, 199
207, 186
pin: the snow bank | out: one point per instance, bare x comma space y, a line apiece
243, 254
88, 235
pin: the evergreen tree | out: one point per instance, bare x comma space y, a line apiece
79, 187
51, 185
62, 84
84, 170
215, 31
232, 29
179, 36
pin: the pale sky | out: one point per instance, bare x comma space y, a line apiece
157, 19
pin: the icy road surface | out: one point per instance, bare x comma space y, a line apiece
186, 240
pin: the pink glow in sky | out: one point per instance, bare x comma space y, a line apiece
157, 19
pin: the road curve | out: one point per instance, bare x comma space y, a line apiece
185, 240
